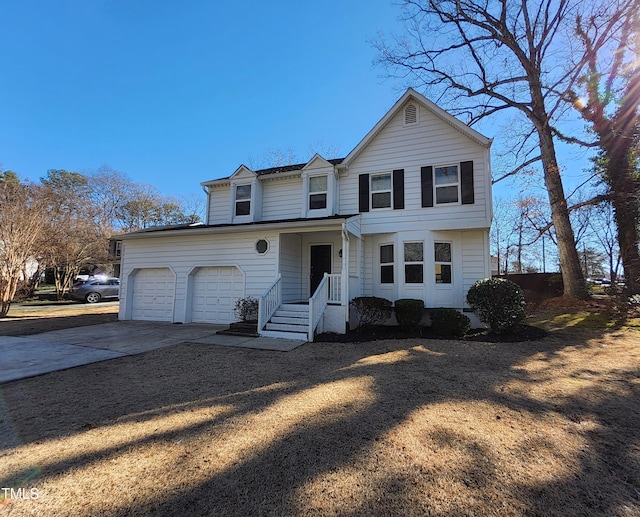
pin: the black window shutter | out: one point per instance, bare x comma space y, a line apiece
363, 195
398, 189
426, 181
466, 176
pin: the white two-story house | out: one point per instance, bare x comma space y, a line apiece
406, 214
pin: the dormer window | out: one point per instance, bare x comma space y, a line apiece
410, 115
381, 188
318, 192
243, 200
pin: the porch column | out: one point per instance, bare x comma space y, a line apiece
344, 279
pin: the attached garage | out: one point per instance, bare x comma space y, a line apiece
214, 292
152, 294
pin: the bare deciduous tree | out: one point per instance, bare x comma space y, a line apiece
603, 227
607, 96
482, 57
74, 239
64, 224
22, 210
109, 190
120, 205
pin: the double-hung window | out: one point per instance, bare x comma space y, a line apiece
413, 262
317, 192
447, 184
442, 252
386, 264
243, 200
381, 190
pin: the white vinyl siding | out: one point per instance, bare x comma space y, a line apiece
219, 205
185, 253
429, 142
291, 267
475, 258
282, 199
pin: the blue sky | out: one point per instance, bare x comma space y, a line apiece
174, 93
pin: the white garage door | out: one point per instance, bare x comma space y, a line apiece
153, 294
215, 290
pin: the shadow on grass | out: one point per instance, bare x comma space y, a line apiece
353, 456
28, 325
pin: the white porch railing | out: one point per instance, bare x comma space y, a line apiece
269, 302
335, 288
317, 305
328, 291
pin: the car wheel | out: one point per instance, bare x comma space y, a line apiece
92, 298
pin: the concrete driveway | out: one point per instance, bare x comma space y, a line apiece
28, 356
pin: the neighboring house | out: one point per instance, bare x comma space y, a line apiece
406, 214
115, 255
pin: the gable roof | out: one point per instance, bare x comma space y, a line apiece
411, 94
241, 169
296, 167
320, 161
272, 170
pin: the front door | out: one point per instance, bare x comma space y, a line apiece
320, 264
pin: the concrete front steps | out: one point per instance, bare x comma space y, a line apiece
241, 328
290, 321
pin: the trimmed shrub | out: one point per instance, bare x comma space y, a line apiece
371, 310
449, 322
246, 308
409, 313
500, 303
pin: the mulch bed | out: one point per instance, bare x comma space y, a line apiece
378, 332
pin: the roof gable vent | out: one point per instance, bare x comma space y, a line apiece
410, 114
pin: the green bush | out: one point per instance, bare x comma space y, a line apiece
449, 322
409, 313
246, 308
500, 303
371, 310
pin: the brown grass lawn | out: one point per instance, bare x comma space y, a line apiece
23, 320
394, 427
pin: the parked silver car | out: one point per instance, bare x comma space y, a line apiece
95, 289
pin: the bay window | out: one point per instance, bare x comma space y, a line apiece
413, 262
442, 252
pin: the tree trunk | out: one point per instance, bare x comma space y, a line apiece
572, 277
7, 293
624, 199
